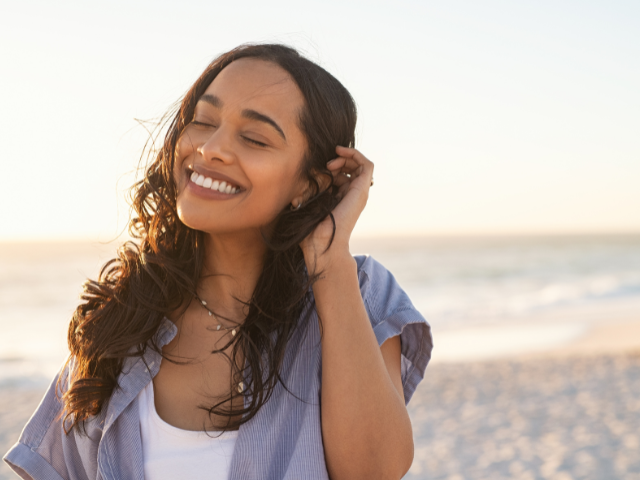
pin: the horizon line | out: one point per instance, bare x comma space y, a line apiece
360, 236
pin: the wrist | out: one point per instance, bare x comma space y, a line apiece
337, 277
339, 260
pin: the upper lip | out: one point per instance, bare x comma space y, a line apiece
214, 175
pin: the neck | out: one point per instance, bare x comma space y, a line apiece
232, 266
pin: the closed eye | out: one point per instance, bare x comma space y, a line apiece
255, 142
247, 139
201, 124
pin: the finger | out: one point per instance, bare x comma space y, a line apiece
342, 173
343, 164
355, 155
352, 153
361, 176
341, 180
355, 172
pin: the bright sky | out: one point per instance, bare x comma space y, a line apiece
481, 117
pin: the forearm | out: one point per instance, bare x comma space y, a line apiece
365, 425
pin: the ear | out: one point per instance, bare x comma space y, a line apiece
307, 190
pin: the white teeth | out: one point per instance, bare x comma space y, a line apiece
207, 182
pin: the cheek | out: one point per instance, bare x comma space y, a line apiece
184, 148
182, 151
275, 186
185, 144
265, 202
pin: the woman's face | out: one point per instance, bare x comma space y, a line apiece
237, 164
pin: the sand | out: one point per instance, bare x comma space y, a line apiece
570, 410
555, 397
548, 418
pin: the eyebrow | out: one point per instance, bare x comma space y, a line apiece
211, 100
247, 113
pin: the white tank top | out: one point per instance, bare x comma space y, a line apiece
169, 452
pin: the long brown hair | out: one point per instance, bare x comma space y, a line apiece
151, 276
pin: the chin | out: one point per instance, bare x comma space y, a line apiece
224, 223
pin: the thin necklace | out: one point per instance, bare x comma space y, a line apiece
211, 314
233, 330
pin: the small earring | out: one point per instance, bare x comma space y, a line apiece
295, 208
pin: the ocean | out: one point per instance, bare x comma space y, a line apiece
456, 282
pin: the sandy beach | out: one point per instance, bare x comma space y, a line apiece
552, 418
567, 411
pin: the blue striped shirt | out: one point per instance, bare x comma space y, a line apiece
283, 440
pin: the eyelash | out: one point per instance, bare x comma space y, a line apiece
247, 139
255, 142
195, 122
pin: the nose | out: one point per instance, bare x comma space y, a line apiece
218, 146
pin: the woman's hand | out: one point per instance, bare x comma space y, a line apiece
366, 429
352, 173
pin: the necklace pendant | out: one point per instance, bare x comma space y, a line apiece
218, 327
233, 332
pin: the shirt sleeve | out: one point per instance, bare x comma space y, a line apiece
44, 450
38, 447
391, 313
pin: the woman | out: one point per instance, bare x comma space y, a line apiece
240, 339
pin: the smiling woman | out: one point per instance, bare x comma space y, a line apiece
248, 120
238, 337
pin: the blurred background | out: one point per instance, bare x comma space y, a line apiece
506, 203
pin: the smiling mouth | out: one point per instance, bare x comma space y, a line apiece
216, 185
